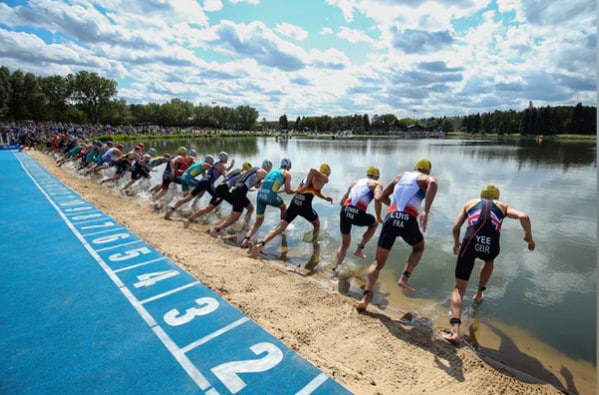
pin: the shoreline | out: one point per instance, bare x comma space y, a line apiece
383, 355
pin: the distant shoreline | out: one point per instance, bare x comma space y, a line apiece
331, 136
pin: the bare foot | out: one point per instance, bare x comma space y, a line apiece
168, 213
256, 250
213, 232
405, 285
366, 298
186, 223
478, 297
359, 253
451, 337
245, 242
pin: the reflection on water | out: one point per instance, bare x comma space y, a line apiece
532, 296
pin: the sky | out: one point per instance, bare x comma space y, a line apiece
410, 58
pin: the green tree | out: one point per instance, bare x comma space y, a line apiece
116, 112
365, 123
92, 93
283, 123
56, 91
5, 91
18, 97
247, 117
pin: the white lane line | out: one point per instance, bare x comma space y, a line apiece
172, 291
313, 385
214, 334
101, 232
175, 351
119, 245
139, 264
187, 365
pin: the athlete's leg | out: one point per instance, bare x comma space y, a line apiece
269, 236
246, 240
413, 259
342, 250
373, 274
365, 238
457, 302
483, 277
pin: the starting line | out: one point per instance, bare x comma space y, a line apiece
89, 306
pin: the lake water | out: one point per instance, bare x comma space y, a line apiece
540, 311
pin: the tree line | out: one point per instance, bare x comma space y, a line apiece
89, 98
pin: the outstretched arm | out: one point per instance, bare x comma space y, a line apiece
525, 223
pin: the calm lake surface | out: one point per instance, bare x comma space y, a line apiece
540, 312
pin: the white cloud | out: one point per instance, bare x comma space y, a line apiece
292, 31
346, 6
368, 56
354, 36
212, 5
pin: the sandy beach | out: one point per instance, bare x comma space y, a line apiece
368, 353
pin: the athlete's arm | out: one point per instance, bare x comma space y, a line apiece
223, 170
231, 165
384, 197
457, 225
524, 222
288, 188
378, 206
430, 192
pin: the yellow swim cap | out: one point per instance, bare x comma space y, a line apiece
181, 151
326, 169
490, 192
423, 165
246, 166
373, 171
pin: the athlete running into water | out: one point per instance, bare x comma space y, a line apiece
172, 171
221, 192
250, 179
485, 217
354, 203
301, 205
404, 196
268, 195
206, 184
